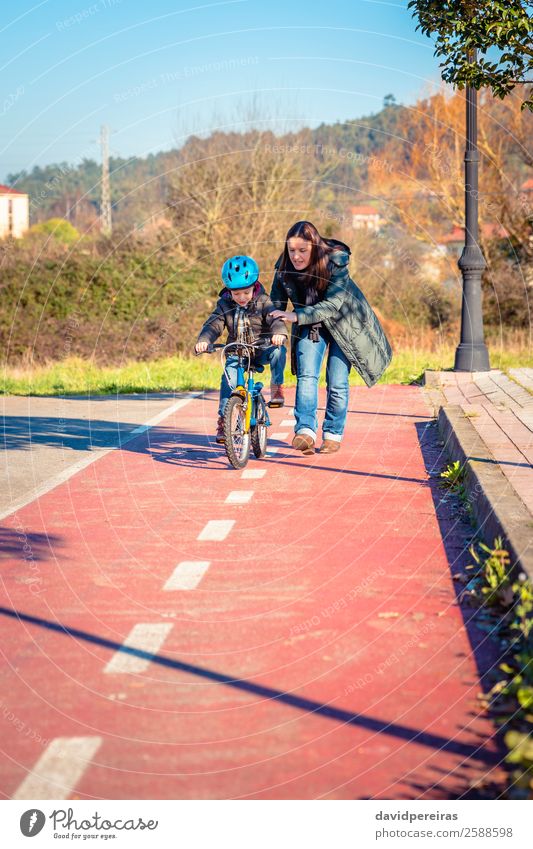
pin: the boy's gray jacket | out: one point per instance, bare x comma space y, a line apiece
261, 322
344, 311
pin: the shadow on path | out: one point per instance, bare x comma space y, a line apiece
457, 535
21, 432
27, 545
188, 449
403, 732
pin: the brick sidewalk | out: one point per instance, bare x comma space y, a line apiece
501, 411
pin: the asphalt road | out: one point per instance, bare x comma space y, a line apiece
47, 438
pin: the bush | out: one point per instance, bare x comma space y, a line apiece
105, 301
59, 228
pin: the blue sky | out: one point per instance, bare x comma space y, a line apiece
156, 71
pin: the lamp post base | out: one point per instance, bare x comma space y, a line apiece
470, 356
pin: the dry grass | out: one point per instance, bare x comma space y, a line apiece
77, 376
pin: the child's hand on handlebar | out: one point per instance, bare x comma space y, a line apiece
278, 339
201, 347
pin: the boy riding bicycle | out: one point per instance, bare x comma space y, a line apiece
244, 308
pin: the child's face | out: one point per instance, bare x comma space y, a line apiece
299, 252
242, 297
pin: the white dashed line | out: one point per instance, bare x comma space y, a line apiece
239, 496
59, 768
253, 474
288, 423
187, 575
148, 638
216, 530
280, 436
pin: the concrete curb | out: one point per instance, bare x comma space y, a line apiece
497, 508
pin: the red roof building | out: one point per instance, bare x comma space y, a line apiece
7, 190
457, 235
365, 217
453, 242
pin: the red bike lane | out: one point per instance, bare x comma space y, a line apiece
310, 646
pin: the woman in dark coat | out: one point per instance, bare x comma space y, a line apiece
330, 313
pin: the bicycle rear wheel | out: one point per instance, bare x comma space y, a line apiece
237, 441
259, 432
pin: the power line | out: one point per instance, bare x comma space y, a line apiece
105, 209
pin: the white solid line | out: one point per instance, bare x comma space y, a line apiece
287, 423
59, 768
158, 418
253, 474
280, 436
147, 638
187, 575
216, 530
239, 496
273, 450
94, 454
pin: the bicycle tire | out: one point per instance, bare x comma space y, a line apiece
237, 442
259, 432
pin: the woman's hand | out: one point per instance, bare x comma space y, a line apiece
200, 347
278, 339
286, 316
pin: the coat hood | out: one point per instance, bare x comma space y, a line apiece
340, 254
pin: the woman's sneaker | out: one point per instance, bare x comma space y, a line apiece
304, 442
277, 398
329, 446
220, 438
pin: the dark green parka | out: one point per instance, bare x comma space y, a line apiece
344, 311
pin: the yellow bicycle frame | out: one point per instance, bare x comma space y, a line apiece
248, 414
241, 390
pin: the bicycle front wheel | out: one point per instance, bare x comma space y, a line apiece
259, 433
237, 440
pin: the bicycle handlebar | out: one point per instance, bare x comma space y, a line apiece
214, 346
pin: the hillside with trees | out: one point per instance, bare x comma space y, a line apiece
178, 214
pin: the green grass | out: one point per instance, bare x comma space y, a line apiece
77, 376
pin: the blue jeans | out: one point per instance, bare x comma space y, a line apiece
274, 356
309, 359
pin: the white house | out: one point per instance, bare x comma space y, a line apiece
365, 218
14, 213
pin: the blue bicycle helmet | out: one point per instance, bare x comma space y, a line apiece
239, 272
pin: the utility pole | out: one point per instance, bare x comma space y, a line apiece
105, 206
471, 353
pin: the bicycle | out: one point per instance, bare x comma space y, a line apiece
246, 417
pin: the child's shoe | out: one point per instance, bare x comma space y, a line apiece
220, 438
277, 398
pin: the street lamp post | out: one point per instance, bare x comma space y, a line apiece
471, 353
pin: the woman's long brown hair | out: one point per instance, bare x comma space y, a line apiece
316, 275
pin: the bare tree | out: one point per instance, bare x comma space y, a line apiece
239, 192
